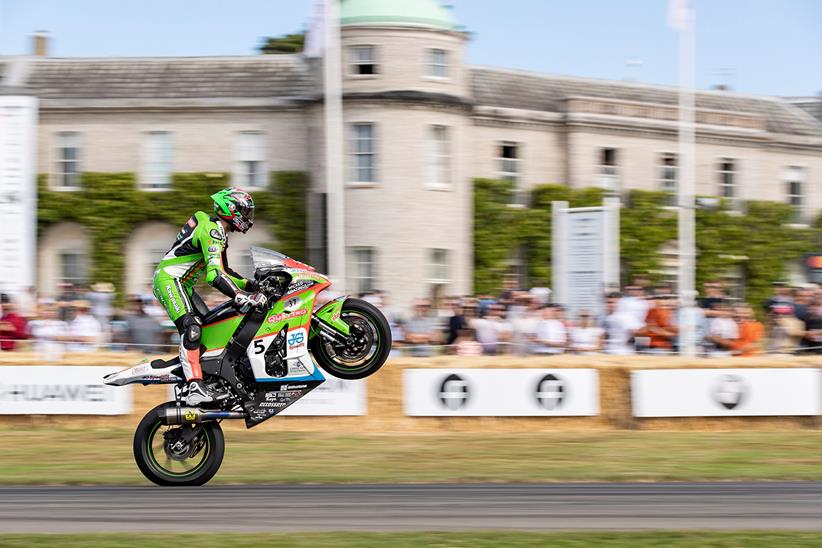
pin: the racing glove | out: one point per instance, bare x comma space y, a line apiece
246, 301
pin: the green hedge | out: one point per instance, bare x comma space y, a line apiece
757, 240
111, 206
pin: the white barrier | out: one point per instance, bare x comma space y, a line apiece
726, 392
500, 392
61, 390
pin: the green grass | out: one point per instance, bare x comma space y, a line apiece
101, 456
439, 540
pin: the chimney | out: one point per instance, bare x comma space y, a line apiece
40, 44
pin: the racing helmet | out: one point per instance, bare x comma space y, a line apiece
236, 207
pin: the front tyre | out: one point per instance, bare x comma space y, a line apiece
365, 349
177, 455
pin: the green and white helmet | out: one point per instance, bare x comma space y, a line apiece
236, 207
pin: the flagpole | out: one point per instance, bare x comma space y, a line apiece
686, 187
335, 191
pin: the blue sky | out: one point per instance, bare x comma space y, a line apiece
757, 46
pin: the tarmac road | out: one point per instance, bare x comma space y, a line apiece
616, 506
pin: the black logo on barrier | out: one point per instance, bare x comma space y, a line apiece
454, 392
730, 391
550, 392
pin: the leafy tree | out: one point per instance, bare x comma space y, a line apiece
289, 43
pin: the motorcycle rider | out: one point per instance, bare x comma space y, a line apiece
201, 247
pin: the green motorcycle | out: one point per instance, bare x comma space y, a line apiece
260, 361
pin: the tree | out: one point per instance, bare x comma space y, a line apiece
290, 43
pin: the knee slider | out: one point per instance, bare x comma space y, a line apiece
192, 331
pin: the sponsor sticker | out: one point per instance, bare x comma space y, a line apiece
216, 234
286, 315
213, 249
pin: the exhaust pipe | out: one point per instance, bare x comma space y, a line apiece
192, 415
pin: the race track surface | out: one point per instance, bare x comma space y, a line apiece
413, 507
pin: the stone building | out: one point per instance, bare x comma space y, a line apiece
420, 125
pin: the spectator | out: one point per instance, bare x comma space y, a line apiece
101, 297
550, 336
659, 324
585, 338
84, 331
492, 331
723, 331
619, 328
143, 330
12, 325
713, 297
48, 332
750, 332
456, 322
523, 315
698, 321
802, 302
812, 338
780, 303
421, 329
466, 343
634, 304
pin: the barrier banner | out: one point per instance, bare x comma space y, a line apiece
500, 392
726, 392
333, 397
61, 390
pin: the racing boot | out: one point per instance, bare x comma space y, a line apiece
198, 394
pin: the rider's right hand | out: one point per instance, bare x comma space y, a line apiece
246, 301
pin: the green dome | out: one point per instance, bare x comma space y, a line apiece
411, 13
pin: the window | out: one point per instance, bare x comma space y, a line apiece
438, 266
157, 160
364, 154
668, 176
439, 157
727, 182
73, 267
363, 60
68, 160
795, 183
509, 159
608, 169
438, 63
250, 156
363, 270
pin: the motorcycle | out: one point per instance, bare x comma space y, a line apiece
258, 361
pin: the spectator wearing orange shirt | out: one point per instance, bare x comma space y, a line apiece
750, 332
659, 323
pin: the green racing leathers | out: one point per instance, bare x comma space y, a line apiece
200, 248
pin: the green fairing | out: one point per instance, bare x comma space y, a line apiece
330, 314
217, 335
295, 317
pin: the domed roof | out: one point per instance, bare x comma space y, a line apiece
412, 13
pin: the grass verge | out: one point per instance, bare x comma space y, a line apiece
439, 540
101, 456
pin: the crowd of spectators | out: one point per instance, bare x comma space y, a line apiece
638, 319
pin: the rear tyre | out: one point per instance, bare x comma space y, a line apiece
366, 348
177, 455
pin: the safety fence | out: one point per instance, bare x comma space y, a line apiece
461, 394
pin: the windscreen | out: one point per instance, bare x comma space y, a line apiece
262, 257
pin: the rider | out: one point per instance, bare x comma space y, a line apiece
201, 247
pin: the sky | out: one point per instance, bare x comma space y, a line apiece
771, 47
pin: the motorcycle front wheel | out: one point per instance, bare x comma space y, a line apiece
177, 455
365, 348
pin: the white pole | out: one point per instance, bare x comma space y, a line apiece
335, 192
686, 161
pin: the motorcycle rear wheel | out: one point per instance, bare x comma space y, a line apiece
367, 346
165, 462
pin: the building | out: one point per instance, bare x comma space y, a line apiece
421, 125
